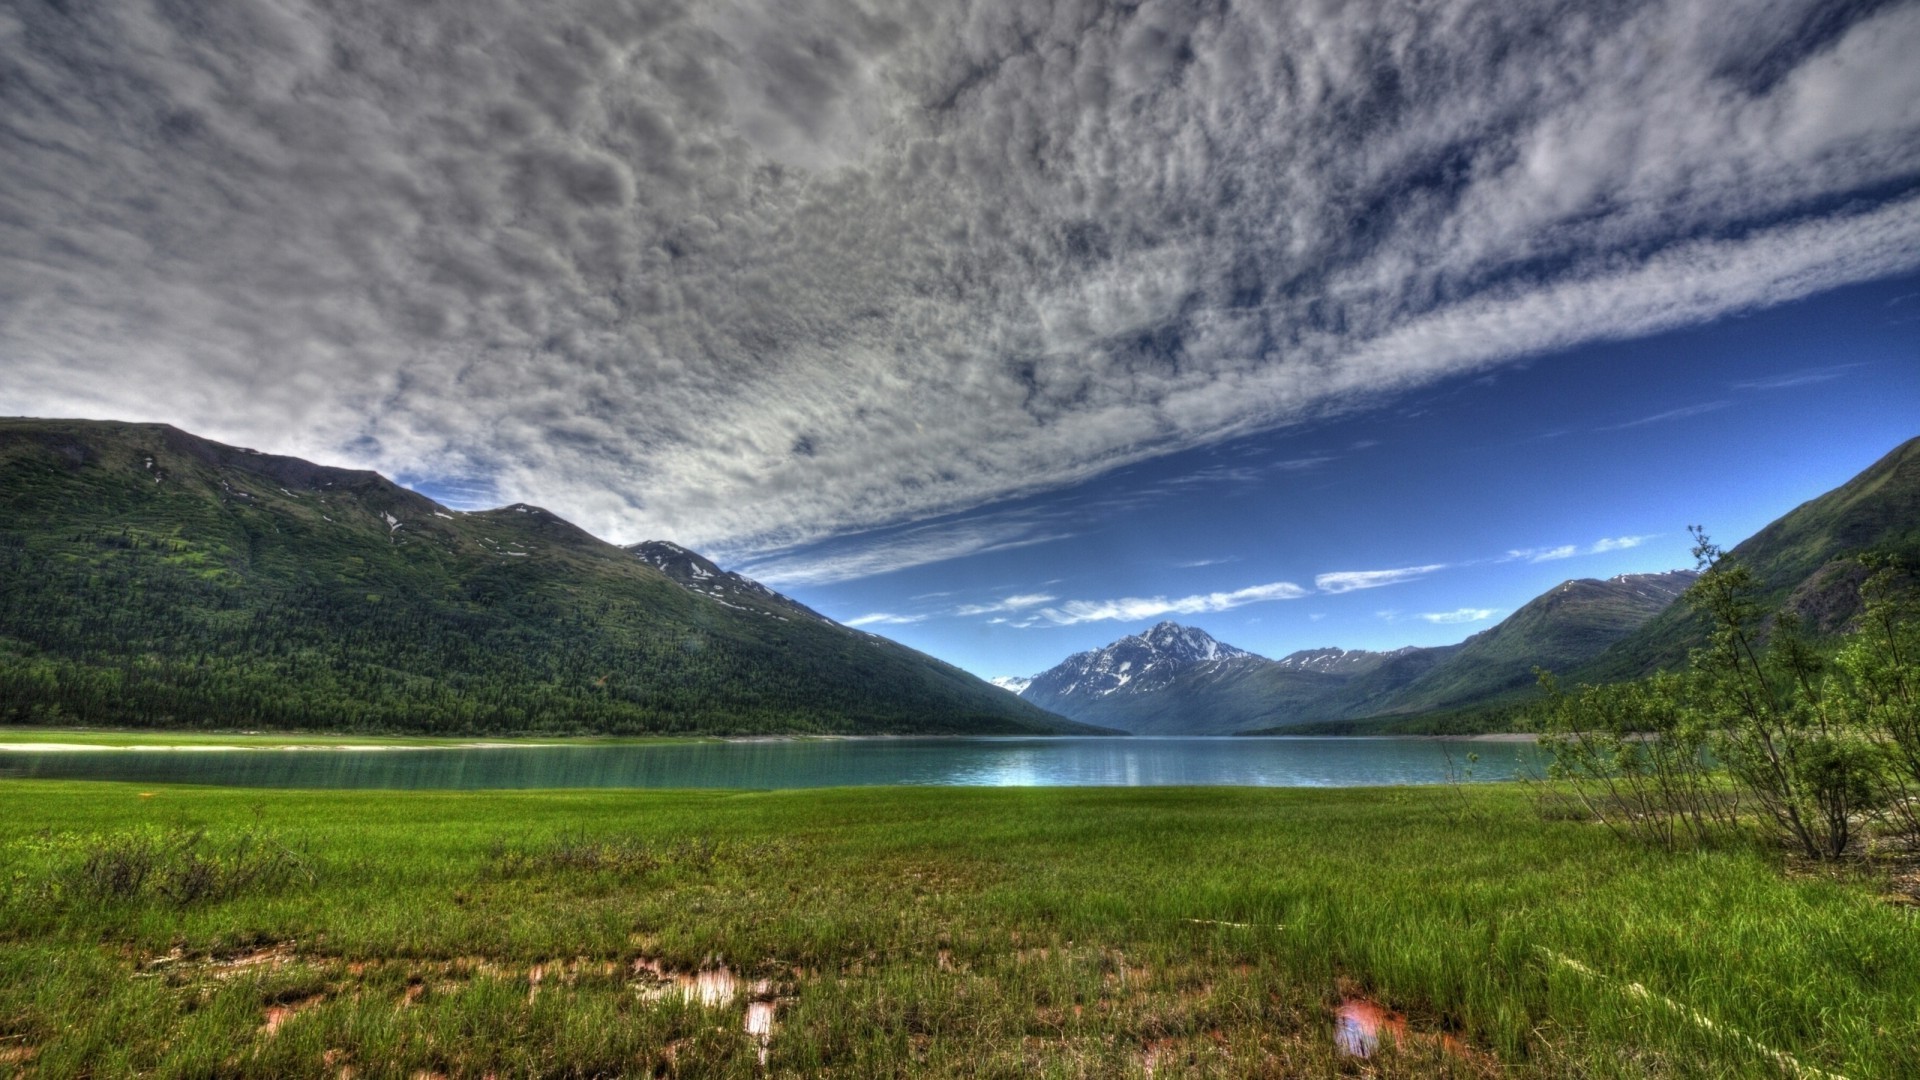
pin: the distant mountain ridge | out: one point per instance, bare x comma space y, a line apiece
1179, 680
1585, 630
150, 577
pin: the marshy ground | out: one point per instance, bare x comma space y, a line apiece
921, 932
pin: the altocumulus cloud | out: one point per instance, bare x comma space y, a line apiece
752, 276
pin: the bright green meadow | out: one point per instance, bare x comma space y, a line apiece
176, 931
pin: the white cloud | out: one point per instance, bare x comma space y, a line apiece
1134, 609
1460, 615
1790, 379
869, 556
757, 276
1350, 580
1681, 413
881, 618
1011, 603
1568, 551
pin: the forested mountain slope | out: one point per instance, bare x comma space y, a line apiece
1805, 561
149, 577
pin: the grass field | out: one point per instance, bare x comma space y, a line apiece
916, 932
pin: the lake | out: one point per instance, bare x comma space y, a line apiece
804, 763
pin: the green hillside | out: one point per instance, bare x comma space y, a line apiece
149, 577
1569, 625
1803, 561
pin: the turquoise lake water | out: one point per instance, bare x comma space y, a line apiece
804, 763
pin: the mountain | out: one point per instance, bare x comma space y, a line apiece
1172, 679
149, 577
1178, 680
699, 574
1804, 561
1568, 625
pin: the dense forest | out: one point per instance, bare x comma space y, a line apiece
150, 578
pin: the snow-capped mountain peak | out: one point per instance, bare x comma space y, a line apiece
1138, 663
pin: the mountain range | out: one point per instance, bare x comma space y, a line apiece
1174, 679
150, 577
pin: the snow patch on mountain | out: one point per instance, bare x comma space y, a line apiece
1136, 664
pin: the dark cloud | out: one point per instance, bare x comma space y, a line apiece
746, 276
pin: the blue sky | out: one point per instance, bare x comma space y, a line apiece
1609, 450
931, 305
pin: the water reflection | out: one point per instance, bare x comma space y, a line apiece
998, 762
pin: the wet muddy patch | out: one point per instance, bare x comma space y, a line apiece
1364, 1028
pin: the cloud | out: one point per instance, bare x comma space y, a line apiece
881, 618
1805, 377
868, 556
1134, 609
1197, 563
1350, 580
1568, 551
1460, 615
1671, 414
753, 277
1011, 603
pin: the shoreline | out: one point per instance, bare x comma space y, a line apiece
17, 740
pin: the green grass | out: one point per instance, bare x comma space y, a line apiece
914, 932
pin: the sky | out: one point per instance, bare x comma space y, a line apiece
1309, 323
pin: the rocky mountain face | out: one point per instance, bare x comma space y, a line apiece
150, 577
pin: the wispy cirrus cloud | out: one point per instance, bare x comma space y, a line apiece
1460, 615
1008, 604
1568, 551
864, 557
1681, 413
1344, 581
1132, 609
882, 618
1804, 377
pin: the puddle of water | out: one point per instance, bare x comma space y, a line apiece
760, 1021
713, 987
1360, 1024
